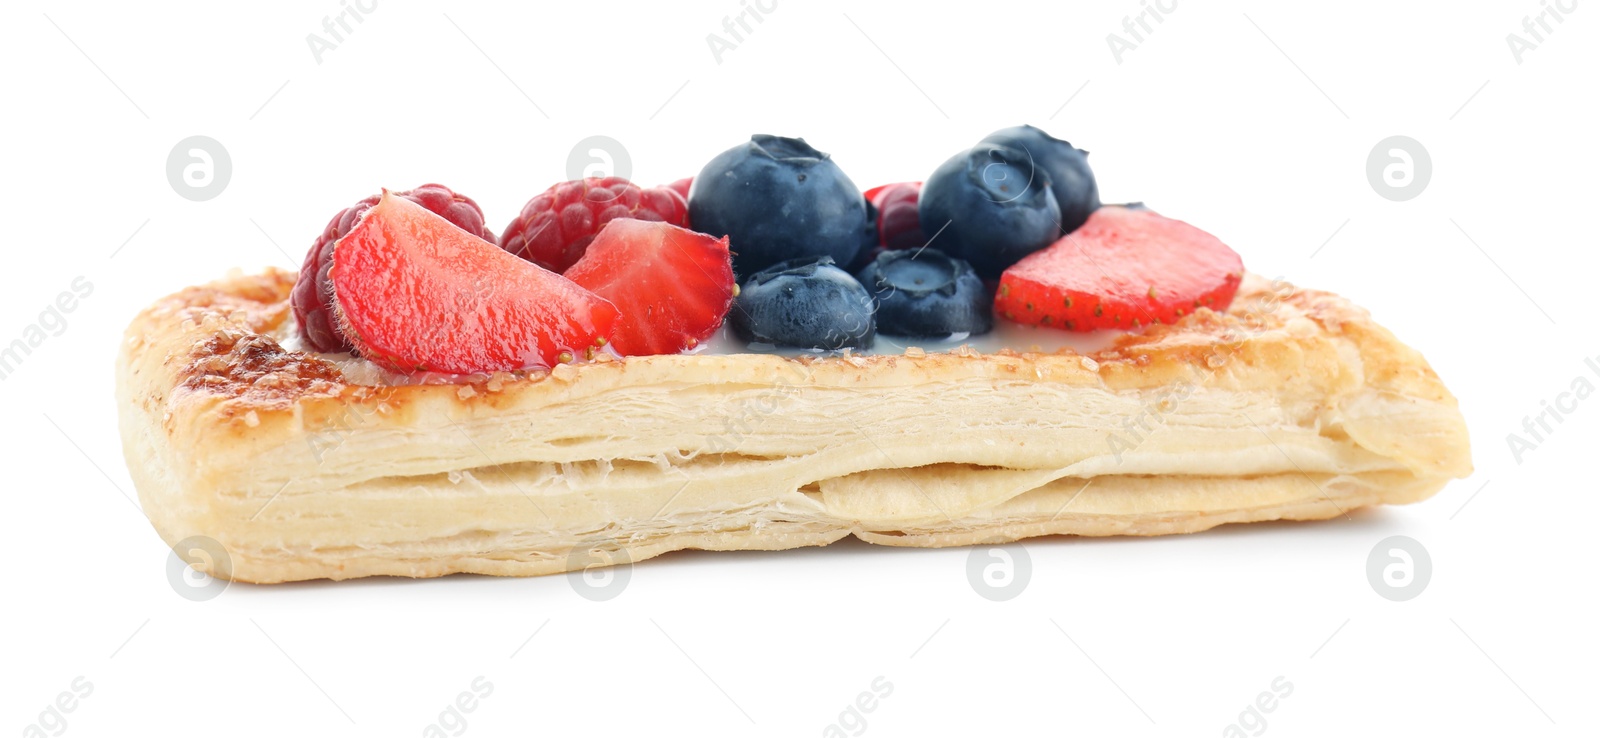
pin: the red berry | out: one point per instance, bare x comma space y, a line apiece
414, 292
1123, 268
673, 285
312, 298
557, 225
682, 186
898, 227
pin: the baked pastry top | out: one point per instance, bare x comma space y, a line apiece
1293, 404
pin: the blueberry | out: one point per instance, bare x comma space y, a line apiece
778, 198
925, 294
804, 303
1068, 168
994, 208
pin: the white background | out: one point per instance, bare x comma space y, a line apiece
1252, 120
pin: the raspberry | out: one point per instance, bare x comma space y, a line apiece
556, 226
312, 298
682, 186
898, 226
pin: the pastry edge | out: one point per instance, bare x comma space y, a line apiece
163, 416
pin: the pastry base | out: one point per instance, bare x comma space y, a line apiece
1292, 405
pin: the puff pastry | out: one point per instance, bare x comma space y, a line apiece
1292, 405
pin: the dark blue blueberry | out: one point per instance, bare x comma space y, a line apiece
778, 198
804, 303
993, 206
1068, 168
869, 238
925, 294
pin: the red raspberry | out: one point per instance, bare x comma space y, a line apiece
898, 227
682, 186
556, 226
312, 298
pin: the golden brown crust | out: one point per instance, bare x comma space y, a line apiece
1293, 404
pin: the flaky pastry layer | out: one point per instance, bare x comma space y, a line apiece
1291, 405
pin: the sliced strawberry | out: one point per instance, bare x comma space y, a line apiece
414, 292
672, 285
1123, 268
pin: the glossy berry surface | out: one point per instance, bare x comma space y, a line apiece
777, 199
1071, 180
1124, 268
804, 303
312, 298
556, 226
672, 285
898, 224
926, 294
415, 293
682, 187
993, 208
